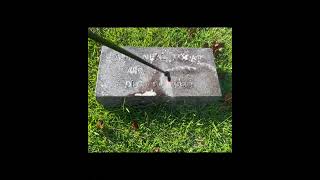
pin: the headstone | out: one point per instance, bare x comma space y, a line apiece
121, 79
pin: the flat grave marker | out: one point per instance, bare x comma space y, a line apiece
193, 73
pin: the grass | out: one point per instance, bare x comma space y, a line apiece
162, 128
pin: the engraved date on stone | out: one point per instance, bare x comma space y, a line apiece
183, 84
132, 84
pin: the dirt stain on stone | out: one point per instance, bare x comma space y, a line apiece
152, 84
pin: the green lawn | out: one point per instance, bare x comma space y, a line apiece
163, 128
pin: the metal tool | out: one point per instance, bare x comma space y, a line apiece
115, 47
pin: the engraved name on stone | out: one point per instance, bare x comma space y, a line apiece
182, 56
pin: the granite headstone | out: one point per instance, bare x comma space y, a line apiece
121, 79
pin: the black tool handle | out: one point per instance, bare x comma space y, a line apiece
125, 52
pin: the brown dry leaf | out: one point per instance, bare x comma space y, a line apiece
217, 47
157, 149
100, 124
134, 125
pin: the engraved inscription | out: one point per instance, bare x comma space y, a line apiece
135, 70
180, 83
150, 57
119, 56
132, 84
177, 84
173, 56
187, 57
129, 84
183, 84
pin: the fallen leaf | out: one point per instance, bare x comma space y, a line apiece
100, 124
217, 47
134, 125
157, 149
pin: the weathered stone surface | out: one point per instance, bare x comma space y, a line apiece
193, 76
